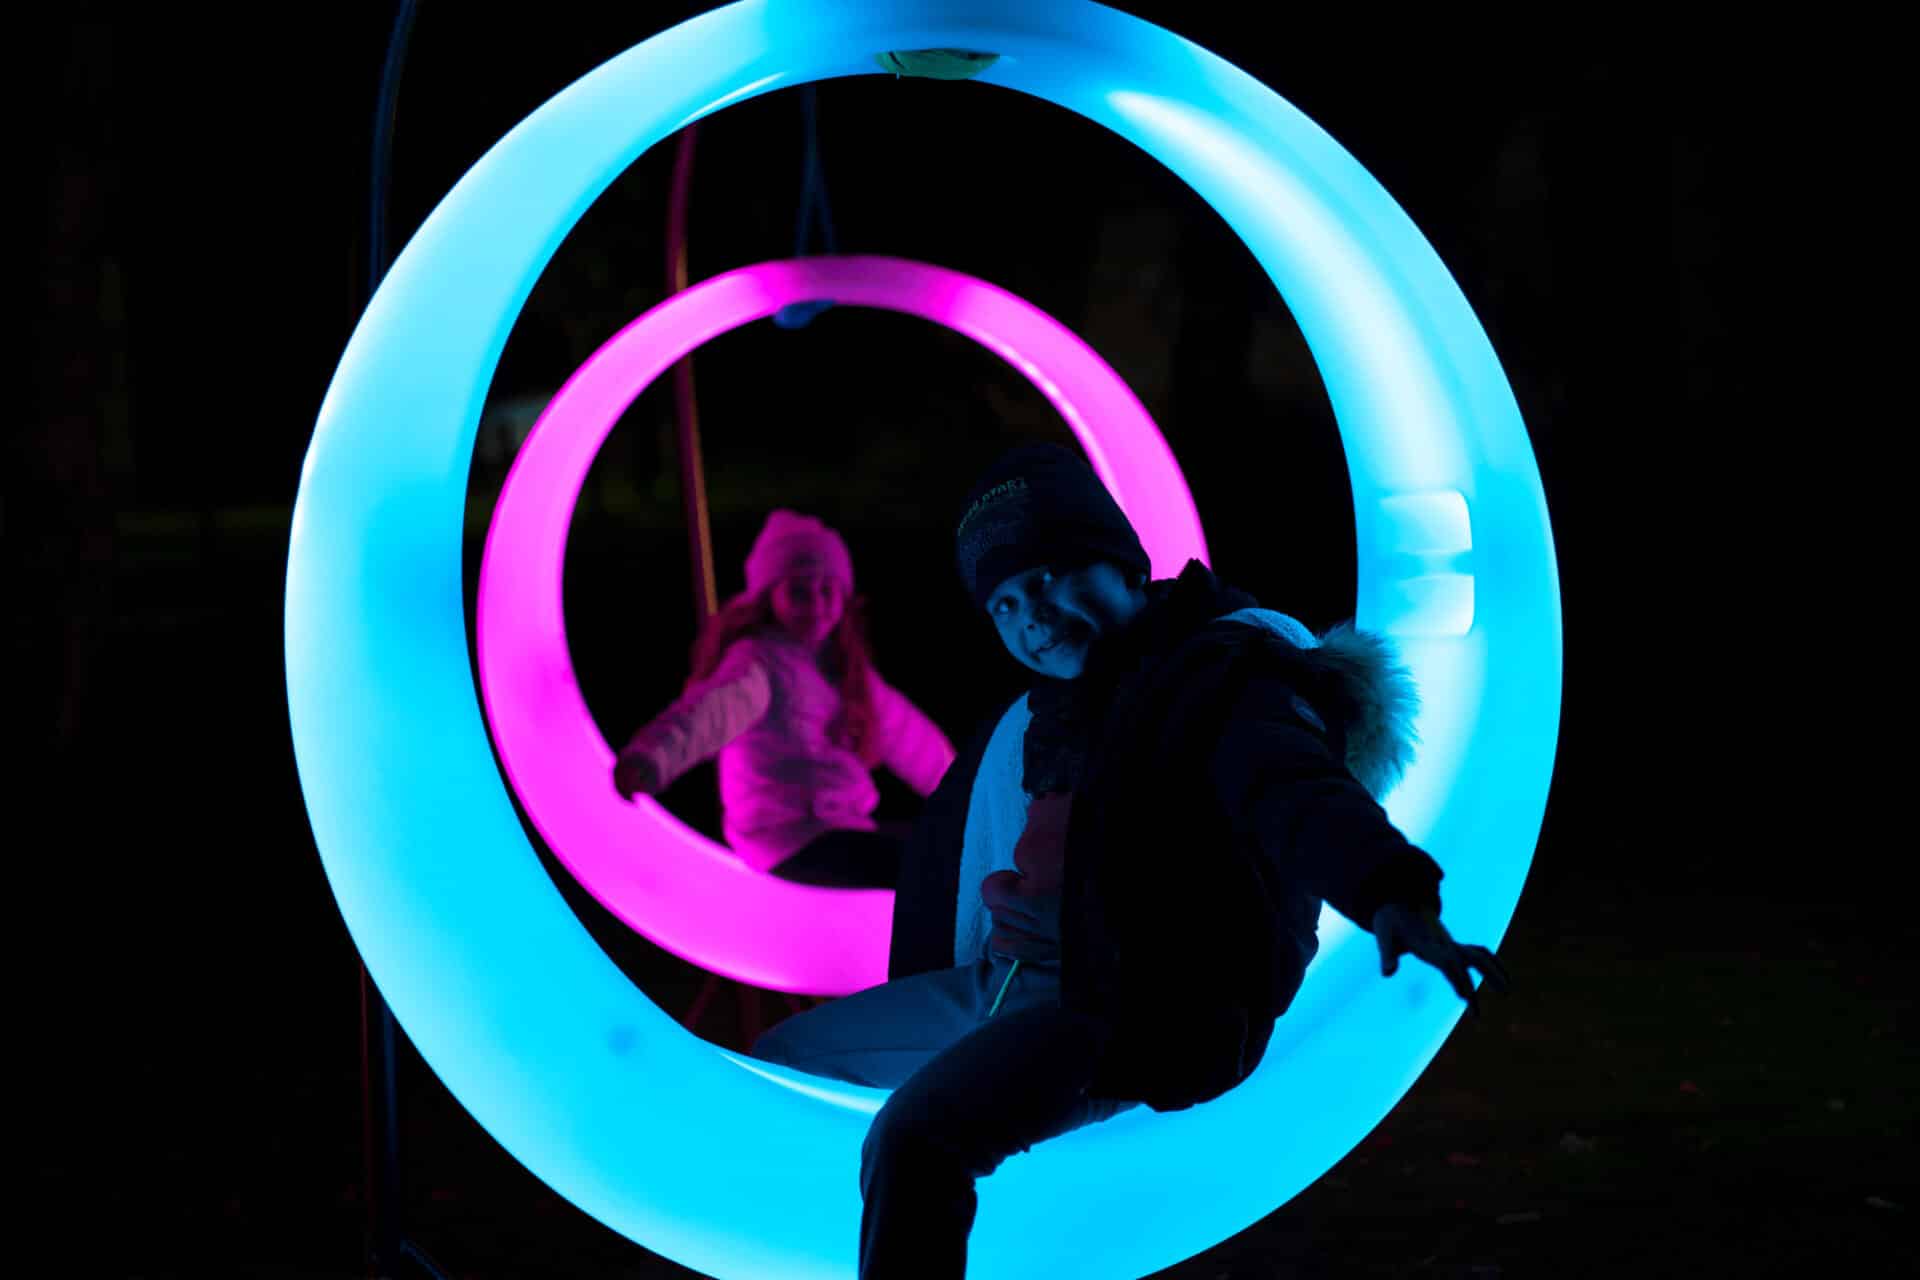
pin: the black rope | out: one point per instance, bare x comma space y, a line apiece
383, 144
389, 1244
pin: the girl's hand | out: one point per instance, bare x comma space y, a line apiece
635, 775
1402, 930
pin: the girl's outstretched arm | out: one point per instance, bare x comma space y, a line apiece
910, 744
705, 718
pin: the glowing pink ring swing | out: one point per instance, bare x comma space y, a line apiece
683, 891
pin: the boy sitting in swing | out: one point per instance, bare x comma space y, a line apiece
1113, 894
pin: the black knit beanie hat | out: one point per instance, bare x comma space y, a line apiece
1039, 504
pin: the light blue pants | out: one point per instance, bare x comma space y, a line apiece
882, 1035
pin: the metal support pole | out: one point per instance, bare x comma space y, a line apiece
387, 1243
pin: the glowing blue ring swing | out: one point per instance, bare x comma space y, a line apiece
740, 1169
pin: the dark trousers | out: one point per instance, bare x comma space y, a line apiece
848, 859
1018, 1079
969, 1090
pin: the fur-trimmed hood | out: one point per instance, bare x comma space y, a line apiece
1376, 706
1353, 678
1351, 682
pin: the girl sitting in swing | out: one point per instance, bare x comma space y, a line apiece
784, 691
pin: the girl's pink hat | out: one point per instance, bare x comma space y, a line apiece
791, 543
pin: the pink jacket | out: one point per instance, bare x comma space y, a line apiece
765, 710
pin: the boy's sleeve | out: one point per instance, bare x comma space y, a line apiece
706, 717
1317, 827
911, 744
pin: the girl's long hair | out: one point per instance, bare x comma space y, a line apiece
846, 658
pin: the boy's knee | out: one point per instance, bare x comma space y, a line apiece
907, 1138
893, 1135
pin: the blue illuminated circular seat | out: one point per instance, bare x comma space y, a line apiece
536, 1031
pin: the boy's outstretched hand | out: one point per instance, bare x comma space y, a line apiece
1405, 930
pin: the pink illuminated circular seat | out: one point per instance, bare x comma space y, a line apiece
681, 890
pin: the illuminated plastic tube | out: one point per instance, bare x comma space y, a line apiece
740, 1169
668, 882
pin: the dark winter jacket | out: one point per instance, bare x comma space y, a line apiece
1213, 811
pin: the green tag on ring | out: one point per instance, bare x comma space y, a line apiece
937, 64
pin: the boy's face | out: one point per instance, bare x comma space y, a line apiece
809, 605
1052, 619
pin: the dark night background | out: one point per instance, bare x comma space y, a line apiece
1706, 1067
